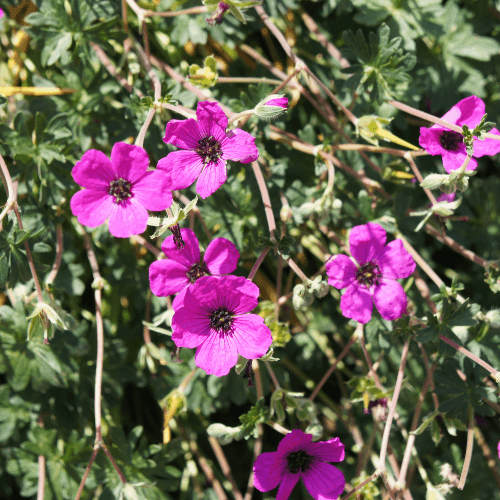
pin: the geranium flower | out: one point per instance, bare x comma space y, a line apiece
438, 140
372, 277
183, 267
299, 458
282, 102
120, 189
498, 449
207, 146
213, 319
1, 13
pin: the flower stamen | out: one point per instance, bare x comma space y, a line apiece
368, 274
197, 271
120, 189
451, 140
209, 149
298, 461
221, 319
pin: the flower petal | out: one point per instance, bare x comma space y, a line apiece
184, 134
221, 256
357, 304
218, 354
184, 168
390, 299
453, 160
295, 440
94, 170
430, 140
266, 473
211, 178
91, 206
210, 114
178, 301
341, 271
367, 241
127, 218
287, 484
468, 111
190, 323
129, 162
327, 451
239, 146
487, 147
186, 256
251, 337
167, 277
153, 191
324, 481
395, 262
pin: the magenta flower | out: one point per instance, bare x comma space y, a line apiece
298, 457
372, 277
446, 197
183, 267
282, 102
438, 140
498, 449
207, 148
1, 13
213, 319
120, 189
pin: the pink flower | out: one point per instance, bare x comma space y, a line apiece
282, 102
212, 318
438, 140
298, 457
207, 148
498, 449
372, 277
446, 197
183, 267
1, 13
120, 189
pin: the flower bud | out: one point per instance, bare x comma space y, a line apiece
302, 298
493, 318
272, 106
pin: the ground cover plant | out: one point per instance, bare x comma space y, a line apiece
249, 249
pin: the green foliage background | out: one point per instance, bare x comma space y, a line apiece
447, 50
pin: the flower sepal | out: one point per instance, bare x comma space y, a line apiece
178, 214
272, 107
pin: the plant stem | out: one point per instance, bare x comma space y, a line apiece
392, 406
142, 133
265, 197
468, 449
296, 269
369, 479
59, 250
248, 79
257, 264
240, 115
419, 177
87, 472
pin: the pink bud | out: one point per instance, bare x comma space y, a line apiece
282, 102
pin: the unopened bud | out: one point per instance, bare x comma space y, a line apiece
272, 106
493, 318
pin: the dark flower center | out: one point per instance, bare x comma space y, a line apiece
120, 189
450, 140
197, 271
221, 319
298, 461
209, 149
368, 274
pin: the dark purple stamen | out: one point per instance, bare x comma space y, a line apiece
368, 274
221, 319
209, 149
176, 232
298, 461
249, 374
120, 189
197, 271
451, 140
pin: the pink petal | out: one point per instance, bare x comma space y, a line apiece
188, 255
211, 178
266, 471
239, 146
152, 191
240, 294
498, 449
92, 207
395, 262
295, 440
127, 218
430, 140
327, 451
94, 170
341, 271
390, 299
468, 111
282, 102
218, 354
190, 325
178, 301
210, 114
324, 481
129, 162
221, 256
446, 197
287, 484
251, 337
489, 147
184, 134
366, 241
453, 160
167, 277
183, 166
357, 304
